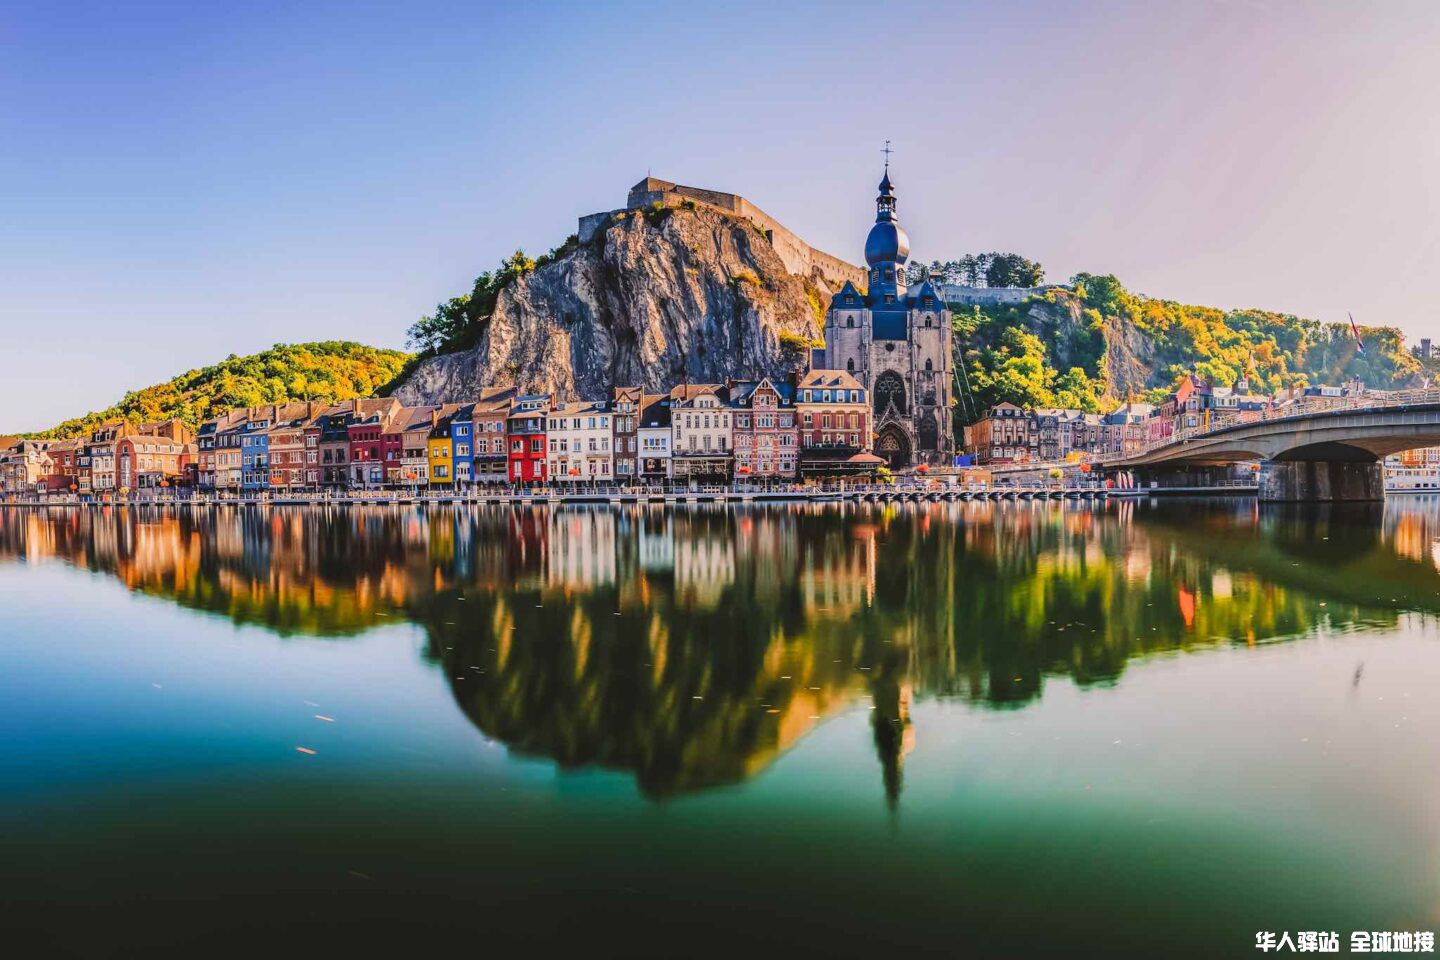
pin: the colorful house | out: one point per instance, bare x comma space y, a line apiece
835, 429
525, 433
764, 434
440, 449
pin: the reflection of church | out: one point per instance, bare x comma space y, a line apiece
896, 341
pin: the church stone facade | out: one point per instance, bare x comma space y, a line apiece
896, 341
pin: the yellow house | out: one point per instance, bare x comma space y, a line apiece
442, 454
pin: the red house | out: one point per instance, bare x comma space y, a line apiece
376, 448
525, 435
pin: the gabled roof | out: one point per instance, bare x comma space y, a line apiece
690, 392
829, 378
416, 418
848, 290
655, 410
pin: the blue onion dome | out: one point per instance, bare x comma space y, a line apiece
887, 243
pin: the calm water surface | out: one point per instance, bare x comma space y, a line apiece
965, 730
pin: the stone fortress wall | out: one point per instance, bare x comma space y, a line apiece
955, 294
797, 255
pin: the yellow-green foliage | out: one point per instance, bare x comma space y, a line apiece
1030, 354
330, 371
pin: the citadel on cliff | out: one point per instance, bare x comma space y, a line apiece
896, 341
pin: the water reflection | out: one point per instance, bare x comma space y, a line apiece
691, 647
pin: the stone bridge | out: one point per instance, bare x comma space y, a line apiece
1323, 454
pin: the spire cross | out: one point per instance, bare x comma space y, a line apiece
887, 151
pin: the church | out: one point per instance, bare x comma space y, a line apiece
896, 341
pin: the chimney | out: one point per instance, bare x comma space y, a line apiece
354, 404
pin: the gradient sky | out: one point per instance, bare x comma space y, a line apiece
179, 182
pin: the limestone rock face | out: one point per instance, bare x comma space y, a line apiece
655, 299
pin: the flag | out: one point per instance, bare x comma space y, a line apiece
1359, 344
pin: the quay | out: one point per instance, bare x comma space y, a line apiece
552, 496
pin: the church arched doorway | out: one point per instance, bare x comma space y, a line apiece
928, 438
894, 446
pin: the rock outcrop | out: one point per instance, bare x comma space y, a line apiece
653, 299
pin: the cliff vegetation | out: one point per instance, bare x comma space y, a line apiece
328, 371
1097, 345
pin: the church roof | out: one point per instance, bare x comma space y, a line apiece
926, 289
887, 243
848, 290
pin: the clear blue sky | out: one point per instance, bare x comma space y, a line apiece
179, 182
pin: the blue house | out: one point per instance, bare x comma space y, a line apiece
255, 450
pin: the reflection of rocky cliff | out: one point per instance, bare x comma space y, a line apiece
693, 647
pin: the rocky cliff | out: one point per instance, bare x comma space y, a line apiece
654, 298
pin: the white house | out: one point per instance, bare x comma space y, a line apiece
579, 435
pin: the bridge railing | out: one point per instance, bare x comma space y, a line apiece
1290, 411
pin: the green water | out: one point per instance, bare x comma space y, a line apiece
950, 729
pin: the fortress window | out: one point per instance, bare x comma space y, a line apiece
849, 321
889, 298
929, 365
850, 365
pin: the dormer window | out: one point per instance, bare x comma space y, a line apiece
849, 298
929, 304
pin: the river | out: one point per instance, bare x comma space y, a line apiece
1130, 729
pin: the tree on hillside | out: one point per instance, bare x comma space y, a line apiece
1012, 270
456, 323
983, 270
328, 371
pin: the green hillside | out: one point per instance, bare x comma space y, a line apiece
328, 371
1098, 345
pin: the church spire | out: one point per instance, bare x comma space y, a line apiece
887, 248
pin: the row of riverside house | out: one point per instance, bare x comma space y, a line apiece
818, 424
115, 457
